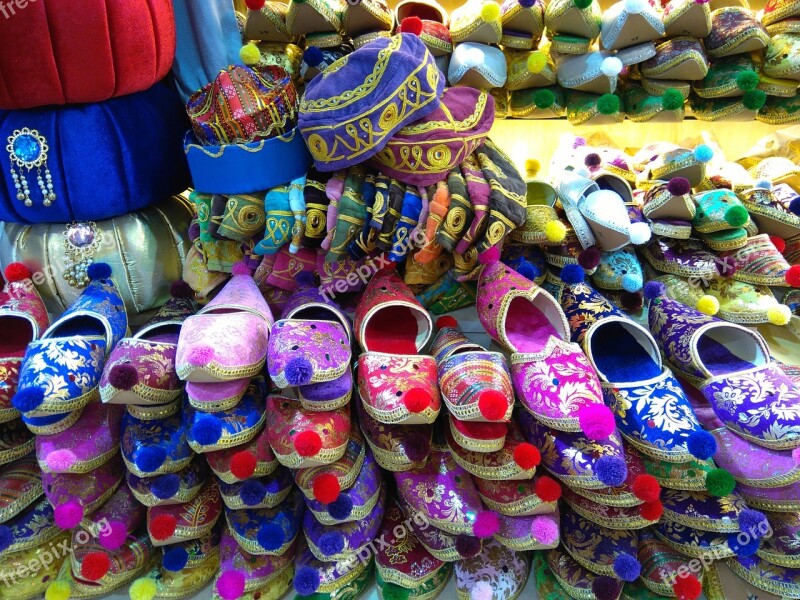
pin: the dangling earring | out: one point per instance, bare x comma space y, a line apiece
27, 149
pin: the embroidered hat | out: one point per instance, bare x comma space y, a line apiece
395, 80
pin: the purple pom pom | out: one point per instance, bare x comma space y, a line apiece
306, 581
252, 492
627, 567
794, 205
331, 543
299, 371
526, 3
341, 508
573, 274
654, 289
592, 160
150, 458
165, 486
679, 186
468, 546
305, 279
611, 471
606, 588
123, 376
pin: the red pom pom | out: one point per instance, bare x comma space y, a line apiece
95, 565
255, 4
547, 488
411, 25
492, 404
779, 244
687, 588
446, 321
793, 276
243, 464
589, 258
651, 511
527, 456
416, 400
307, 443
240, 268
646, 488
17, 272
162, 527
486, 524
326, 488
490, 256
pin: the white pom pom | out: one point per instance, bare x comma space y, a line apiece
611, 66
639, 233
635, 6
763, 184
481, 591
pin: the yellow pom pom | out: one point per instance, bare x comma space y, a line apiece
555, 231
537, 61
779, 315
250, 54
58, 590
532, 167
490, 12
143, 589
708, 305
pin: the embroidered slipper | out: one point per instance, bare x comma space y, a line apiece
762, 575
771, 208
691, 476
241, 572
316, 16
34, 585
527, 497
61, 370
595, 73
16, 440
619, 270
427, 10
780, 499
585, 108
663, 162
681, 58
480, 66
642, 106
684, 258
216, 397
779, 549
664, 571
629, 23
324, 580
207, 352
735, 30
270, 531
172, 488
440, 544
567, 17
116, 522
522, 23
88, 561
670, 207
687, 17
760, 263
777, 169
741, 109
496, 569
558, 573
168, 584
33, 526
190, 520
704, 512
21, 486
523, 533
308, 303
693, 542
367, 16
728, 77
614, 517
303, 352
478, 436
267, 22
659, 87
155, 446
262, 492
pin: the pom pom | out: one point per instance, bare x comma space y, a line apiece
28, 399
162, 527
592, 160
725, 267
243, 464
608, 104
754, 99
175, 558
793, 276
6, 537
123, 376
627, 567
611, 67
482, 590
687, 588
651, 511
313, 56
544, 531
547, 488
654, 289
306, 581
207, 430
536, 62
527, 456
331, 543
252, 492
794, 206
230, 585
492, 404
255, 4
762, 184
532, 166
672, 100
200, 356
143, 588
307, 443
150, 458
753, 522
114, 535
468, 546
679, 186
416, 400
58, 590
720, 483
341, 508
490, 12
579, 141
703, 153
779, 315
572, 274
779, 244
59, 461
611, 470
68, 515
555, 231
392, 591
490, 256
631, 301
411, 25
747, 80
749, 548
582, 3
701, 444
94, 566
447, 322
305, 279
486, 524
596, 421
634, 6
632, 283
544, 98
646, 488
527, 3
250, 54
299, 371
326, 488
99, 270
526, 269
708, 305
270, 537
606, 588
17, 272
588, 259
639, 233
736, 216
240, 268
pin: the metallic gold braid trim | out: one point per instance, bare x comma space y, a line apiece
721, 115
150, 500
147, 394
447, 555
465, 124
683, 57
702, 524
359, 512
659, 173
736, 40
55, 407
88, 509
509, 471
435, 43
270, 500
344, 555
153, 413
9, 414
621, 523
673, 231
790, 561
772, 505
330, 40
590, 566
401, 415
476, 445
773, 587
468, 594
262, 469
83, 467
656, 453
169, 466
323, 457
325, 405
574, 592
673, 269
784, 218
41, 538
220, 372
521, 508
21, 503
584, 482
228, 441
13, 454
80, 591
216, 406
286, 138
320, 375
305, 479
623, 500
253, 547
459, 34
688, 484
678, 13
62, 425
389, 460
185, 534
658, 588
343, 581
395, 577
693, 551
253, 585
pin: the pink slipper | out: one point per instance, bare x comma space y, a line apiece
217, 396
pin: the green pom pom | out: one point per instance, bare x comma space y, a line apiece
608, 104
544, 98
672, 100
747, 80
720, 482
582, 3
754, 99
736, 216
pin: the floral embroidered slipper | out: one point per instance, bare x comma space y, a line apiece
302, 352
643, 106
155, 446
171, 488
241, 572
496, 569
526, 497
258, 492
523, 533
684, 258
614, 517
663, 162
21, 485
268, 531
765, 577
118, 567
771, 208
186, 521
33, 526
558, 573
735, 30
113, 524
325, 580
760, 263
34, 585
670, 208
665, 571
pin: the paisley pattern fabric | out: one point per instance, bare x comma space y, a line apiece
194, 518
277, 486
258, 569
595, 547
363, 493
191, 480
90, 490
759, 262
505, 570
245, 524
324, 344
169, 434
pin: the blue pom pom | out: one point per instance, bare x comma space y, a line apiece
701, 444
6, 537
763, 184
98, 271
572, 274
331, 543
654, 289
313, 56
165, 486
299, 371
270, 537
175, 558
753, 523
627, 567
306, 581
527, 269
794, 206
252, 492
703, 153
28, 399
749, 548
341, 508
150, 458
207, 430
611, 470
631, 283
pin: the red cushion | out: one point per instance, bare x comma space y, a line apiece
56, 52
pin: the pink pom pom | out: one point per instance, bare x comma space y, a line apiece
240, 268
486, 524
230, 585
68, 515
544, 530
490, 256
481, 591
114, 535
60, 460
596, 421
200, 356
